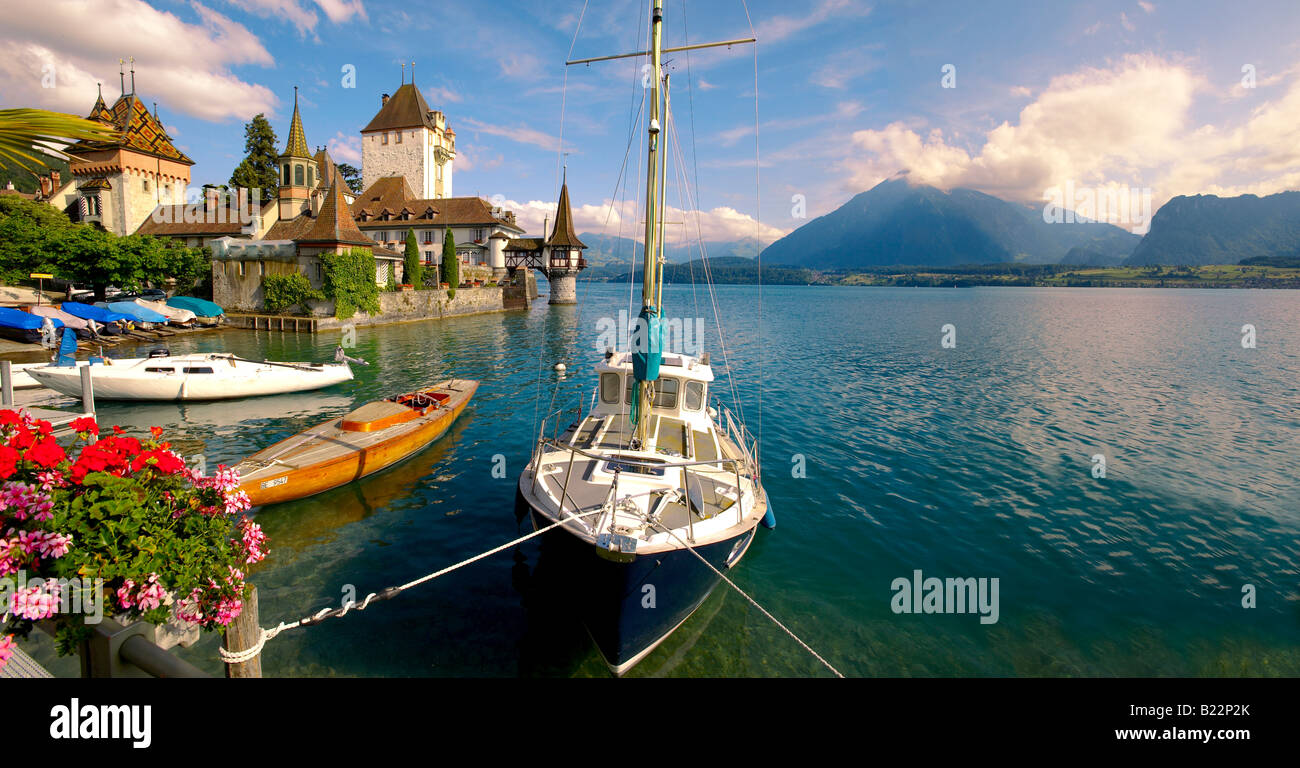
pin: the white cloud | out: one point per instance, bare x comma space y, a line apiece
340, 11
1125, 23
183, 66
1148, 7
288, 10
1130, 124
843, 68
345, 149
442, 95
522, 134
780, 27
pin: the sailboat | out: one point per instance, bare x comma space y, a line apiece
655, 493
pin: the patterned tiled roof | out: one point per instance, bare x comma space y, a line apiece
137, 130
297, 146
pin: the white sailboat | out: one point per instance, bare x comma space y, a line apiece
656, 492
192, 377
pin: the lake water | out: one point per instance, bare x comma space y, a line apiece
973, 461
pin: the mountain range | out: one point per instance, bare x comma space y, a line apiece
897, 223
900, 224
1207, 229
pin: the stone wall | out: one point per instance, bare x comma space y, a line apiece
409, 306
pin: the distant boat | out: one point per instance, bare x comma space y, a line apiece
111, 322
193, 377
23, 326
138, 313
80, 325
174, 315
205, 312
360, 443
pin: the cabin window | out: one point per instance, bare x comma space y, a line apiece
694, 395
160, 370
204, 369
666, 394
609, 388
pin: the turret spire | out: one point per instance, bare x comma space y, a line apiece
297, 145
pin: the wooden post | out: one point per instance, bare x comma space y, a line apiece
6, 383
87, 392
242, 634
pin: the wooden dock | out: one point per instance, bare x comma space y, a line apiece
46, 404
273, 322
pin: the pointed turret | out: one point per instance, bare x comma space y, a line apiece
298, 173
562, 253
297, 146
563, 235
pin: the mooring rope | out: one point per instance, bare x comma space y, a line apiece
751, 600
239, 657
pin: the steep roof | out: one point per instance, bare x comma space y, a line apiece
563, 234
334, 223
525, 244
297, 145
137, 130
406, 108
169, 220
391, 192
327, 172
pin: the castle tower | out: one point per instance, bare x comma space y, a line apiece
406, 138
121, 181
563, 254
297, 169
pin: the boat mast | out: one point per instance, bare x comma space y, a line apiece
647, 339
648, 369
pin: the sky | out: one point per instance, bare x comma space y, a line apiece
1010, 98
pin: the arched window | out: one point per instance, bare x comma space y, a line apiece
310, 175
286, 175
297, 174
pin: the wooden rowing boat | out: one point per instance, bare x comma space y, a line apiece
362, 442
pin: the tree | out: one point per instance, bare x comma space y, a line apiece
412, 271
259, 169
450, 264
352, 175
29, 237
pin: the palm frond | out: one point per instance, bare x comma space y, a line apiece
22, 129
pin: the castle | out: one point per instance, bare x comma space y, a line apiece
138, 184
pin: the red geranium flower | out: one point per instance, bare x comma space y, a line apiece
85, 424
8, 462
47, 454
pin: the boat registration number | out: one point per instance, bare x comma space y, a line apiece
275, 482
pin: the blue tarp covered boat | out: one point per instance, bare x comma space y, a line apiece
98, 314
23, 326
204, 311
138, 312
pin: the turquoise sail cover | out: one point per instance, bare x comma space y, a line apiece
647, 345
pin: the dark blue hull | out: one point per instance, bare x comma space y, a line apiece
630, 607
